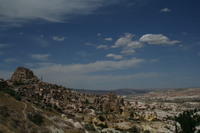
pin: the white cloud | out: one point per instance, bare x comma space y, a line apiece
114, 56
108, 81
97, 66
108, 39
40, 57
134, 44
165, 10
89, 75
127, 51
102, 47
127, 44
58, 38
157, 39
49, 10
124, 40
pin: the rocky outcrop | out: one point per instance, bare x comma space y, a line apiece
109, 103
23, 75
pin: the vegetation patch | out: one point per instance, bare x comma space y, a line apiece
188, 121
36, 118
90, 127
11, 93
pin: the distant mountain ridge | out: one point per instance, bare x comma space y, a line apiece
117, 91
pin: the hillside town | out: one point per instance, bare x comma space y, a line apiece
152, 112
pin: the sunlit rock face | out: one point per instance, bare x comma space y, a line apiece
24, 75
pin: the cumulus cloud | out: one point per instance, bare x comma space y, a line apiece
157, 39
165, 10
127, 41
49, 10
108, 39
102, 47
58, 38
40, 57
114, 56
127, 44
124, 40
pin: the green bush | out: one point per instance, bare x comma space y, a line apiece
36, 118
188, 121
90, 127
18, 83
134, 129
102, 118
11, 93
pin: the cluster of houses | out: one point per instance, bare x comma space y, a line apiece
107, 111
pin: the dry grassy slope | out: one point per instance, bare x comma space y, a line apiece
13, 118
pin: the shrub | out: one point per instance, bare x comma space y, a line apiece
134, 129
90, 127
11, 93
102, 118
36, 118
18, 83
188, 121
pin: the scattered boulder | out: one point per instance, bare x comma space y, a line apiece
123, 126
109, 103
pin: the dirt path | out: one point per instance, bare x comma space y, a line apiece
24, 111
25, 117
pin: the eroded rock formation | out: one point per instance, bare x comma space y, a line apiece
23, 75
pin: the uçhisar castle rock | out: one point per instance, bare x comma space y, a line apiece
24, 75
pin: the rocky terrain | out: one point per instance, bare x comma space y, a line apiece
29, 105
71, 111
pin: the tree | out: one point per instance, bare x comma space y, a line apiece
188, 121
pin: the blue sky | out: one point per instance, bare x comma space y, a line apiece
96, 44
